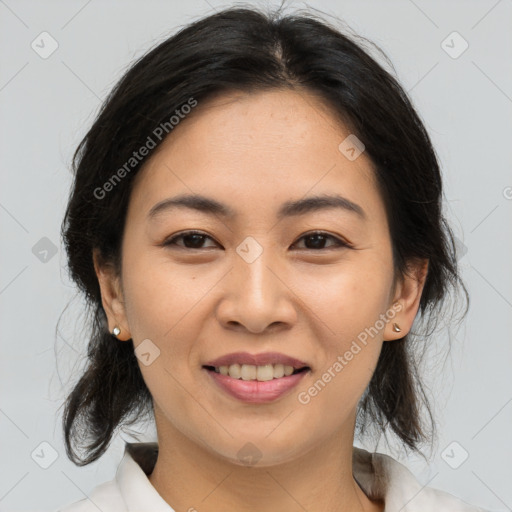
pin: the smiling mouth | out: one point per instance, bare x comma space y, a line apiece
262, 373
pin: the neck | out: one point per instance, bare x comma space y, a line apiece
189, 477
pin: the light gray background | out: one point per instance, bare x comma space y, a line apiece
46, 108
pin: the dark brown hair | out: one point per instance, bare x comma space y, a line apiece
248, 50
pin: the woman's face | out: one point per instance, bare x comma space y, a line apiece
256, 281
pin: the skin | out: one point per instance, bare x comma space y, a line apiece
253, 153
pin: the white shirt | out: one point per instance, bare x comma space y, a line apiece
380, 476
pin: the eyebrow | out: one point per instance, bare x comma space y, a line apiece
288, 209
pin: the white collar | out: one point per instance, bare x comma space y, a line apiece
380, 476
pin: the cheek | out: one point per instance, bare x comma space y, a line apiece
345, 299
348, 330
168, 304
158, 294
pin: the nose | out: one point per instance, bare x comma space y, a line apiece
256, 296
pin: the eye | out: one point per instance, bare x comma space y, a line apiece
192, 239
318, 239
195, 240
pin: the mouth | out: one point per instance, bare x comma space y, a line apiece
256, 384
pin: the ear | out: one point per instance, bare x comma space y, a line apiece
406, 299
111, 296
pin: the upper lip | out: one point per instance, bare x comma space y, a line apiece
256, 359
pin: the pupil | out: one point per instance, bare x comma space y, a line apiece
196, 237
318, 240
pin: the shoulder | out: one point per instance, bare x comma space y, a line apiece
130, 489
442, 501
105, 497
382, 477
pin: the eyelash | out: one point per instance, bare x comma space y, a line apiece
340, 243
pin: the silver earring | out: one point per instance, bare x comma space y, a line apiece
396, 328
116, 331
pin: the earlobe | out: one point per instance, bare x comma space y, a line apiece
111, 297
406, 300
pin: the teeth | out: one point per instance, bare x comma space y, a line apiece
251, 372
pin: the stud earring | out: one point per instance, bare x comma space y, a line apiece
116, 331
396, 327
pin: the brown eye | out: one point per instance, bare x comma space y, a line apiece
317, 241
191, 240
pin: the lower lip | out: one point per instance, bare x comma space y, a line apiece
256, 392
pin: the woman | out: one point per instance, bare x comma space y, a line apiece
256, 223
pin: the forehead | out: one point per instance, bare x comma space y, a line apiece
255, 149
